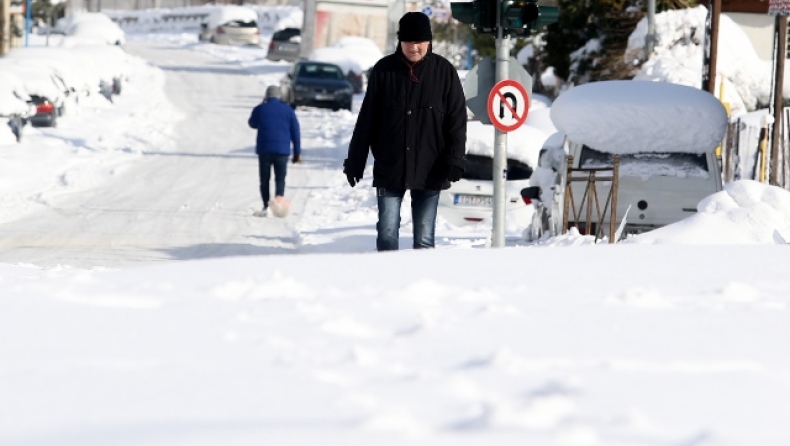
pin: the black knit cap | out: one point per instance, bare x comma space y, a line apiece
414, 27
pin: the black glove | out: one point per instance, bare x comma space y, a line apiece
455, 173
296, 159
352, 179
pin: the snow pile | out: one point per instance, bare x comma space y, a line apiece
351, 53
640, 116
189, 19
678, 55
13, 95
523, 144
94, 138
226, 14
745, 212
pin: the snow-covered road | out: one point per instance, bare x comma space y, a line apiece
191, 202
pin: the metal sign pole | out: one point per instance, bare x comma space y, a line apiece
500, 141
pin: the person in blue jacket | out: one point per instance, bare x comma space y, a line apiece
277, 128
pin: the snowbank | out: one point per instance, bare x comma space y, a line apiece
351, 53
678, 54
189, 19
523, 143
225, 14
745, 212
639, 116
13, 95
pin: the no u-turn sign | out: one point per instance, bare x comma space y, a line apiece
508, 104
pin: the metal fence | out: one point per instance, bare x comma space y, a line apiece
746, 152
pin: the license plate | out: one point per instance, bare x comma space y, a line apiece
324, 97
474, 200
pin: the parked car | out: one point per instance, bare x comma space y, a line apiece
231, 25
285, 45
96, 27
317, 84
660, 187
46, 112
666, 147
355, 55
470, 200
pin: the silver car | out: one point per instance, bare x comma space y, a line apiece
285, 45
231, 25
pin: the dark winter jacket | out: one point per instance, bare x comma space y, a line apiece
277, 128
415, 130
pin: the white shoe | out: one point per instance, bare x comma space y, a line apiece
262, 213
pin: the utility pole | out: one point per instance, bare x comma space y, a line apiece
650, 38
779, 72
500, 141
5, 26
503, 19
308, 29
713, 41
28, 21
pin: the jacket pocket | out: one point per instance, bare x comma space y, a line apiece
432, 125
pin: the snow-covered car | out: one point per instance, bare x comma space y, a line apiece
76, 70
316, 84
665, 135
660, 187
95, 27
470, 200
14, 99
40, 81
355, 55
285, 45
231, 25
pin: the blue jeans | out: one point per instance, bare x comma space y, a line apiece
423, 215
265, 164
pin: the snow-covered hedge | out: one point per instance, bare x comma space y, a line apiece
62, 74
189, 19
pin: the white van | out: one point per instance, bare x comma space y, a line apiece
659, 187
665, 135
231, 25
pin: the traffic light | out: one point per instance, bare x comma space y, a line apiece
480, 14
548, 15
518, 15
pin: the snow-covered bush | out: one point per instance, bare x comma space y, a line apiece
678, 55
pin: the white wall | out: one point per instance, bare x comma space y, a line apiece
760, 29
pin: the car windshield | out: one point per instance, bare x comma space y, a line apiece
480, 167
320, 72
647, 164
240, 24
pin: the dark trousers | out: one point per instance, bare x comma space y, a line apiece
424, 204
265, 164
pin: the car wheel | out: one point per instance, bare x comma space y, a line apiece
212, 40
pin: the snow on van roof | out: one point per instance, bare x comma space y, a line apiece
224, 14
640, 116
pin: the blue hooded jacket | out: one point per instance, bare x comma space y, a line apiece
277, 128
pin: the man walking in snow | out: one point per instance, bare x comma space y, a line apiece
277, 128
413, 121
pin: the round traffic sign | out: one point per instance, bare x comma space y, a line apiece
508, 105
427, 10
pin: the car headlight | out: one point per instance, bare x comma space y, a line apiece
344, 91
300, 88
